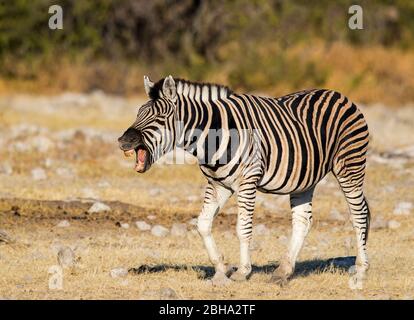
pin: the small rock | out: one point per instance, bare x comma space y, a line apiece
254, 245
63, 224
378, 223
4, 237
336, 215
192, 198
119, 272
159, 231
66, 257
193, 222
392, 224
348, 242
174, 199
168, 294
6, 169
261, 230
98, 207
104, 184
151, 217
41, 143
228, 235
124, 282
403, 209
48, 162
283, 239
19, 147
88, 193
125, 225
179, 230
38, 174
65, 172
143, 226
154, 192
55, 246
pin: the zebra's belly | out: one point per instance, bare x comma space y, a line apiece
300, 177
285, 190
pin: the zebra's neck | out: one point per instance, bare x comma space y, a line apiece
195, 103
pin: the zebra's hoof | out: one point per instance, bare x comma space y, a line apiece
279, 280
220, 280
238, 276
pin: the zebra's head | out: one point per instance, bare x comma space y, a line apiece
153, 133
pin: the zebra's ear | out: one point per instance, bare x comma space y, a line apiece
148, 84
168, 88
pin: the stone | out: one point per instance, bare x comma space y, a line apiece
179, 230
283, 239
63, 224
48, 162
154, 192
143, 226
193, 222
124, 225
228, 235
403, 209
65, 172
168, 294
349, 242
6, 169
159, 231
66, 257
88, 193
104, 184
336, 215
151, 217
261, 230
192, 198
254, 245
41, 144
99, 207
38, 174
392, 224
378, 223
119, 272
4, 237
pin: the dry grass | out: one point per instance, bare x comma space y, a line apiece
363, 72
174, 194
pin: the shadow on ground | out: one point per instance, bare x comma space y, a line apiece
304, 268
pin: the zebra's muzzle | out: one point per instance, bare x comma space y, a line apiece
142, 162
131, 142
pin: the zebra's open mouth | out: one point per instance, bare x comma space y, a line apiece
141, 162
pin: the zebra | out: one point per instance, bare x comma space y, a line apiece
286, 146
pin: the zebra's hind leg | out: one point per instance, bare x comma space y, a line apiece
246, 198
214, 199
301, 205
351, 181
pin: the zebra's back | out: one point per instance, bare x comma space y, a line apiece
304, 135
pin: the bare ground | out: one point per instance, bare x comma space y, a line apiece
58, 155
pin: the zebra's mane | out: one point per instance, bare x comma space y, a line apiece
206, 91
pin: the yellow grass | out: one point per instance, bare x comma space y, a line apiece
100, 245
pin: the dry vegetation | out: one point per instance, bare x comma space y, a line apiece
58, 155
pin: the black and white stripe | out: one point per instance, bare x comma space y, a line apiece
284, 145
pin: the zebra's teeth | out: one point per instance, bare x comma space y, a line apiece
129, 153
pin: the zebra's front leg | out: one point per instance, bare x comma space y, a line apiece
246, 200
301, 205
215, 197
